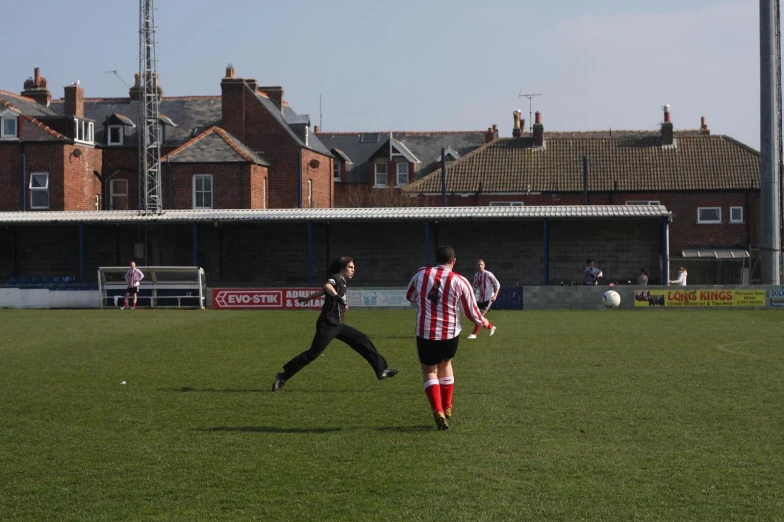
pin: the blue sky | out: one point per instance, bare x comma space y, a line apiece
420, 65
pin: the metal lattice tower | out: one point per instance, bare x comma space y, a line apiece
780, 143
150, 200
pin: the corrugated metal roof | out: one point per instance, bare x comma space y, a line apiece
718, 253
343, 214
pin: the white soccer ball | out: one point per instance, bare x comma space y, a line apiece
611, 299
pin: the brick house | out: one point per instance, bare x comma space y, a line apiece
710, 183
48, 160
371, 168
246, 148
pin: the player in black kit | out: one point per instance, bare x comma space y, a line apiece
330, 325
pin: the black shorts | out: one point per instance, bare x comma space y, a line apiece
132, 290
433, 352
483, 305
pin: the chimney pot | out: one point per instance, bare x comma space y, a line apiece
316, 129
36, 88
230, 71
538, 130
667, 133
704, 126
516, 130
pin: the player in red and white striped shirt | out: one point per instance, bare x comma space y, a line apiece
440, 294
133, 277
488, 287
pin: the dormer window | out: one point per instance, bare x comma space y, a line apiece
114, 135
9, 129
84, 131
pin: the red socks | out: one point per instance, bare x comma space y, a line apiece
446, 384
433, 392
477, 327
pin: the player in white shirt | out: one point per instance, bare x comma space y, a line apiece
681, 281
440, 295
133, 277
487, 287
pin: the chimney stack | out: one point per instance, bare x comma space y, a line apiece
74, 100
275, 94
704, 126
491, 134
232, 102
316, 129
667, 134
517, 129
135, 92
36, 88
538, 130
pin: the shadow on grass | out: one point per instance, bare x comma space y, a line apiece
270, 429
186, 389
288, 391
277, 429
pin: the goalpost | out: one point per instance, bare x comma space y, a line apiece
162, 286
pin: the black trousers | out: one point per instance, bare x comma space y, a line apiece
325, 332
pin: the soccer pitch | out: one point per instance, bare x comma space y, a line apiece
606, 415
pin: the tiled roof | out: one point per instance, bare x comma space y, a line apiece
296, 123
191, 114
36, 130
536, 213
213, 146
426, 146
27, 106
623, 161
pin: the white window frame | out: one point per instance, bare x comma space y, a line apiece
398, 174
9, 136
84, 131
337, 170
211, 191
376, 174
732, 219
109, 135
36, 190
507, 203
310, 193
114, 193
702, 221
643, 202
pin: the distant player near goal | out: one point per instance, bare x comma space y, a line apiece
439, 294
488, 287
133, 277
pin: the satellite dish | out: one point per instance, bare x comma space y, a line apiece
77, 153
314, 163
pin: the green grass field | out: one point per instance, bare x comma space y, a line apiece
603, 416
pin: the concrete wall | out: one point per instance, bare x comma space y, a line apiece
44, 299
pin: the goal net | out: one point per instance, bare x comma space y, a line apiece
162, 286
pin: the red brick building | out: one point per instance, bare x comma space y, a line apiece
710, 183
244, 149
